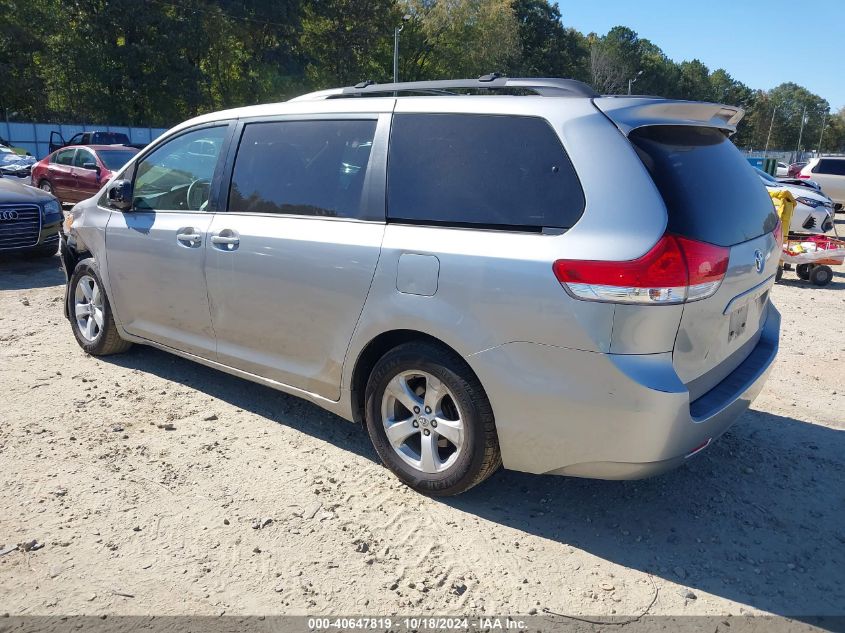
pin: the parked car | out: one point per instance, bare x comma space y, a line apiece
782, 170
4, 143
57, 141
453, 271
15, 164
829, 172
794, 168
797, 182
29, 220
813, 210
75, 173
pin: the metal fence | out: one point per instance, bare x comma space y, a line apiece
35, 137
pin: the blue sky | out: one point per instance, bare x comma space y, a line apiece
761, 43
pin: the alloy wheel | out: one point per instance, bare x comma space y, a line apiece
88, 308
422, 421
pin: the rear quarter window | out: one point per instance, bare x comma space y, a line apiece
830, 166
711, 192
480, 170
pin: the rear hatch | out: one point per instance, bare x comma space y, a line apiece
712, 195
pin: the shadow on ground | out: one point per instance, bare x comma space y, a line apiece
20, 273
759, 518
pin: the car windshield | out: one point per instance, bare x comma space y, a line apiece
115, 159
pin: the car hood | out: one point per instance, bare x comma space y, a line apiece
12, 192
801, 192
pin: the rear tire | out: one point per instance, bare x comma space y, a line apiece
45, 185
90, 313
821, 275
443, 433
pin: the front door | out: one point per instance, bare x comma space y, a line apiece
60, 175
290, 263
156, 251
86, 179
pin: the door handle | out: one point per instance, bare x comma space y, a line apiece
189, 237
226, 240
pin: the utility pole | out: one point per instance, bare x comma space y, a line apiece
633, 80
821, 136
801, 131
769, 136
396, 33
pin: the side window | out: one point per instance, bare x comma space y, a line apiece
64, 157
83, 156
177, 175
76, 139
830, 166
490, 170
302, 168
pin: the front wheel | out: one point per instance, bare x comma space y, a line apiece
45, 185
821, 275
90, 313
430, 420
803, 271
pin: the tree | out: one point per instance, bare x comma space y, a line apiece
21, 85
459, 38
347, 41
614, 60
547, 48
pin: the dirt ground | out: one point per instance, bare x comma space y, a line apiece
156, 486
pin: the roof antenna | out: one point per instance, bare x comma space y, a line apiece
490, 77
364, 84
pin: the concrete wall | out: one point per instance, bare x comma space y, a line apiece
35, 137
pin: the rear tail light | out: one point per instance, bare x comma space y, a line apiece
778, 233
803, 176
675, 270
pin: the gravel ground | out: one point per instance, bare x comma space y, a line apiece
152, 485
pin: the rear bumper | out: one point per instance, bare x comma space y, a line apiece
610, 416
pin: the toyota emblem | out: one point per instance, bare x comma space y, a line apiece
759, 260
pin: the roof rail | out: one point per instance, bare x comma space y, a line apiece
545, 87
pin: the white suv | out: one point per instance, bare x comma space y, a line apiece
829, 172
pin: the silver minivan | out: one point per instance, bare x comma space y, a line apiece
481, 272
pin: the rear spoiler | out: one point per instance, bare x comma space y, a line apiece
629, 113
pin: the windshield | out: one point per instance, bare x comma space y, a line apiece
114, 160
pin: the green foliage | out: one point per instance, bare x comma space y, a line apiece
158, 62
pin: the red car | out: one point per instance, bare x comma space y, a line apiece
77, 172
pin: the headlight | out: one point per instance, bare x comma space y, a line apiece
53, 207
809, 202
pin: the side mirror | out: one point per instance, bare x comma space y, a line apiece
91, 166
119, 195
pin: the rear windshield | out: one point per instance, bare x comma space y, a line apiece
115, 159
711, 192
109, 138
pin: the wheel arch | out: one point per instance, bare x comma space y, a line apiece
378, 347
